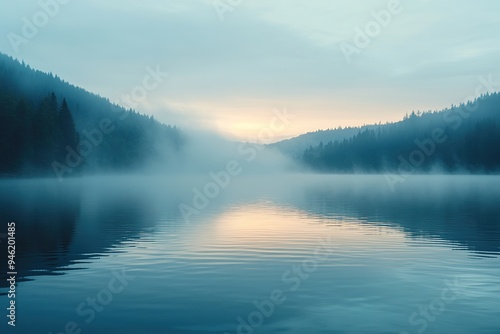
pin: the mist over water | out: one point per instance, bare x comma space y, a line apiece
203, 152
383, 254
249, 167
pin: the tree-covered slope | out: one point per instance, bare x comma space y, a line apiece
464, 138
296, 146
36, 113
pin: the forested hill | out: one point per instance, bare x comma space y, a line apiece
296, 146
50, 127
463, 138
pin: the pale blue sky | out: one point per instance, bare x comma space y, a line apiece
230, 74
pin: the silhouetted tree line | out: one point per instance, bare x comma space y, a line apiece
463, 138
32, 138
36, 130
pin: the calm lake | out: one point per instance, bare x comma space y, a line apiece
276, 254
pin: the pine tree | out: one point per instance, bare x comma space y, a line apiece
46, 133
68, 134
21, 150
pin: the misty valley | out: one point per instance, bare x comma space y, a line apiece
49, 128
121, 223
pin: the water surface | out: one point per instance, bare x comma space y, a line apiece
287, 254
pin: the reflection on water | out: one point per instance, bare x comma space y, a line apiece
346, 253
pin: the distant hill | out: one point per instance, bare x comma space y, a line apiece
296, 146
109, 137
463, 138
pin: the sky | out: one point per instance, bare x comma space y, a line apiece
232, 64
